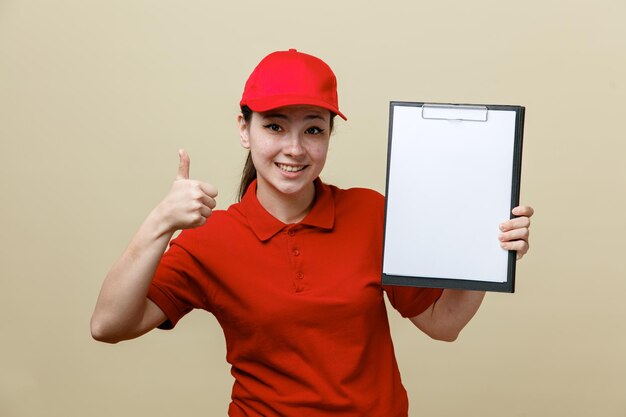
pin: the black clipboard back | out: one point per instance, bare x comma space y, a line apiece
443, 161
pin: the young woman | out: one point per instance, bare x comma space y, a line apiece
291, 272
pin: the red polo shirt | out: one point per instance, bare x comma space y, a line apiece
301, 305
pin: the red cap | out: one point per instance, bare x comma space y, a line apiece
286, 78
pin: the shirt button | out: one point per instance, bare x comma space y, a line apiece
295, 252
299, 275
291, 232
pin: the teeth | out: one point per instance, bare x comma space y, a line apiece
290, 168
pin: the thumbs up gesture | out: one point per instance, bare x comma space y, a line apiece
189, 202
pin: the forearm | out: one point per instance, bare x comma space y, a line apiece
445, 319
122, 300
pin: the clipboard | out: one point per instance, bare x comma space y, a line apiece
453, 175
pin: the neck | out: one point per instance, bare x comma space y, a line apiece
287, 208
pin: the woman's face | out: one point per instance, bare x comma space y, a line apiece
288, 146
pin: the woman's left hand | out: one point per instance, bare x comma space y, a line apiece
514, 233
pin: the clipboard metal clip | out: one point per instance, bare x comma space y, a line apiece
460, 112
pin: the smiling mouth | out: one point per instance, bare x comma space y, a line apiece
290, 168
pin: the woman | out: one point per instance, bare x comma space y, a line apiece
291, 272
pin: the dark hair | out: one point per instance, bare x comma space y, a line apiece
249, 171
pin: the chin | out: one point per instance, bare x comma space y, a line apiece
293, 187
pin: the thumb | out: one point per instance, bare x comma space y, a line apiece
183, 165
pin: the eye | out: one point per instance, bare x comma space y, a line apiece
273, 127
314, 130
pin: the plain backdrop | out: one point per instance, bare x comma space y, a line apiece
97, 97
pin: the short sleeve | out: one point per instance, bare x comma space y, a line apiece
176, 287
411, 301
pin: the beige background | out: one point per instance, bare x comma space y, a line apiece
96, 98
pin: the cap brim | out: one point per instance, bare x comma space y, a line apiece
270, 103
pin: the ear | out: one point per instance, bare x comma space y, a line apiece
244, 132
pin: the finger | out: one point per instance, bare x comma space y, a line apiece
516, 245
199, 197
208, 189
205, 212
183, 165
515, 234
523, 211
199, 221
515, 223
198, 217
209, 202
519, 246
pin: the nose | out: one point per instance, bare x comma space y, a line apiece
293, 145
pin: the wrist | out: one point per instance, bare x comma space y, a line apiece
158, 225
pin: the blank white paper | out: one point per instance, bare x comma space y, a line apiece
449, 188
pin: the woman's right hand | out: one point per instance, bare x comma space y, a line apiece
188, 203
122, 311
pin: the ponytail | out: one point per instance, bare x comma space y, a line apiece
249, 171
248, 175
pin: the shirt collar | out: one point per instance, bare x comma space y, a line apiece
264, 225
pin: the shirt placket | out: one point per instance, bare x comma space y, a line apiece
295, 256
